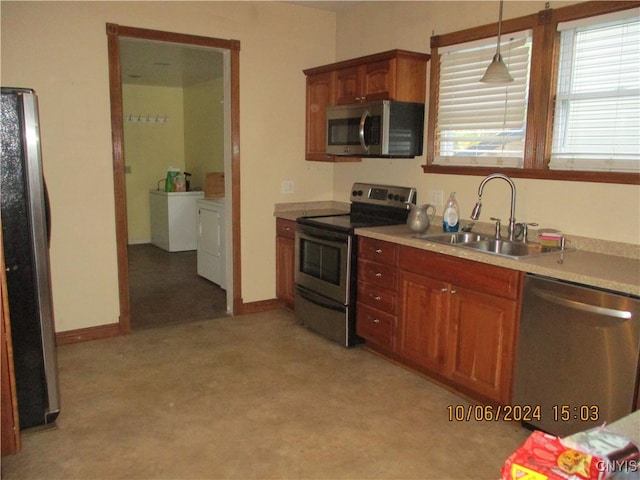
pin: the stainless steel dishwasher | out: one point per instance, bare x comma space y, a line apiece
577, 357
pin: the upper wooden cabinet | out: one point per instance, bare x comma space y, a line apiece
393, 75
320, 92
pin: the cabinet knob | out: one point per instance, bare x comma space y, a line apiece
377, 298
444, 289
378, 250
453, 292
378, 275
376, 320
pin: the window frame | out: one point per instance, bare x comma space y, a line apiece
542, 91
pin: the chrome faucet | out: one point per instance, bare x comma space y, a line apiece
475, 214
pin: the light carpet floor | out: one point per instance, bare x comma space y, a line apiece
251, 397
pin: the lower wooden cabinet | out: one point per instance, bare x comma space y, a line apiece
455, 319
377, 292
285, 260
423, 321
375, 325
482, 342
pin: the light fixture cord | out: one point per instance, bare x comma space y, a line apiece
499, 25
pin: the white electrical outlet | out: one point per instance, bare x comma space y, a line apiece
437, 198
287, 186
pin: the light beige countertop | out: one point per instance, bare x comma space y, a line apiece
603, 264
612, 272
292, 211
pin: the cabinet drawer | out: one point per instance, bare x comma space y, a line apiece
378, 274
478, 276
378, 250
285, 228
375, 326
377, 297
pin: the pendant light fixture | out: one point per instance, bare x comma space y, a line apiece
497, 71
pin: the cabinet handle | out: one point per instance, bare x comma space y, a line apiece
376, 320
444, 289
378, 275
453, 292
378, 250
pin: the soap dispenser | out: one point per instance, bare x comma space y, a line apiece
451, 215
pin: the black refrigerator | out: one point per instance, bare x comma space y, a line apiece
26, 233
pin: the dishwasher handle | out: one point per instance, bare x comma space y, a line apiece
585, 307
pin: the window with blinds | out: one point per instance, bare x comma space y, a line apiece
480, 124
597, 115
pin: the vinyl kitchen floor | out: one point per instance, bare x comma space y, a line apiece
254, 396
165, 288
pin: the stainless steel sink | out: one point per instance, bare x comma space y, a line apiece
489, 244
457, 238
510, 249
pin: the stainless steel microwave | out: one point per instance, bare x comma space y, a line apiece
384, 128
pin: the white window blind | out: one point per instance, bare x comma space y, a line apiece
597, 114
481, 124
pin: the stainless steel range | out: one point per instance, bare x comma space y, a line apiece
326, 259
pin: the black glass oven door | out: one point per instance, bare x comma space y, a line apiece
322, 260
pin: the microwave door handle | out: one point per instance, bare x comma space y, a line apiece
363, 120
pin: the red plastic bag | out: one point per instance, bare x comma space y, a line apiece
544, 457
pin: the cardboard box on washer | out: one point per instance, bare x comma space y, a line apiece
214, 185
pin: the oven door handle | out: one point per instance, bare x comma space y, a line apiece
318, 300
318, 235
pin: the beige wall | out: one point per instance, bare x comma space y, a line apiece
150, 148
204, 130
60, 49
190, 139
605, 211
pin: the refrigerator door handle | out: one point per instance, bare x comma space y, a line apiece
38, 206
47, 211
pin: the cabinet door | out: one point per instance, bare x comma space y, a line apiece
378, 297
378, 274
366, 83
375, 326
285, 266
348, 85
320, 91
481, 346
379, 80
378, 250
421, 334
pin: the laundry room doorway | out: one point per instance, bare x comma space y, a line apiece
174, 104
